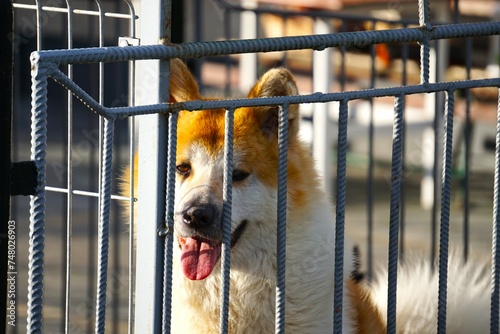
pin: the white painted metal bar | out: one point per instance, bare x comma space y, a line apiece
248, 61
323, 77
38, 8
74, 11
69, 176
132, 154
152, 87
84, 193
438, 64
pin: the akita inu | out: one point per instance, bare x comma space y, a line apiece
310, 233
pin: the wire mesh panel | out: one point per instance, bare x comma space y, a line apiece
70, 173
158, 144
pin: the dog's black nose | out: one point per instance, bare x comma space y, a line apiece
199, 216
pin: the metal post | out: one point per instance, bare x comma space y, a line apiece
322, 79
69, 182
6, 65
248, 61
492, 68
434, 103
152, 87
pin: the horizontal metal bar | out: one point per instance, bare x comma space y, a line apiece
84, 193
119, 112
74, 11
219, 48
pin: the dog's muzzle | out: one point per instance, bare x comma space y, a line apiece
199, 237
200, 216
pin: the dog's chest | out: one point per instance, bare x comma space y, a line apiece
251, 309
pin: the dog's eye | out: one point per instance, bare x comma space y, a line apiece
239, 175
183, 169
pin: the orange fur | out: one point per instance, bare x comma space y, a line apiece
365, 313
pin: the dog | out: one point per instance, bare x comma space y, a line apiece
310, 229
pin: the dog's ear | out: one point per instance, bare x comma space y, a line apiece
276, 82
183, 87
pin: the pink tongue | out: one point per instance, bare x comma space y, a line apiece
198, 258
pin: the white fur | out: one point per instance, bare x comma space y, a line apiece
468, 306
309, 263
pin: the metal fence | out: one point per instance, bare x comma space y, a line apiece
72, 170
152, 274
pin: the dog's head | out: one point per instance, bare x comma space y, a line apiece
200, 168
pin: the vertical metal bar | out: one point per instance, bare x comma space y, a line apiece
69, 176
340, 215
100, 155
248, 61
152, 87
430, 195
445, 212
37, 202
39, 25
169, 221
116, 252
103, 232
6, 103
94, 206
281, 219
226, 219
322, 79
101, 88
170, 185
467, 150
456, 11
435, 195
39, 77
131, 237
495, 248
437, 67
284, 19
131, 102
198, 14
397, 148
227, 59
424, 21
371, 167
343, 76
402, 221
